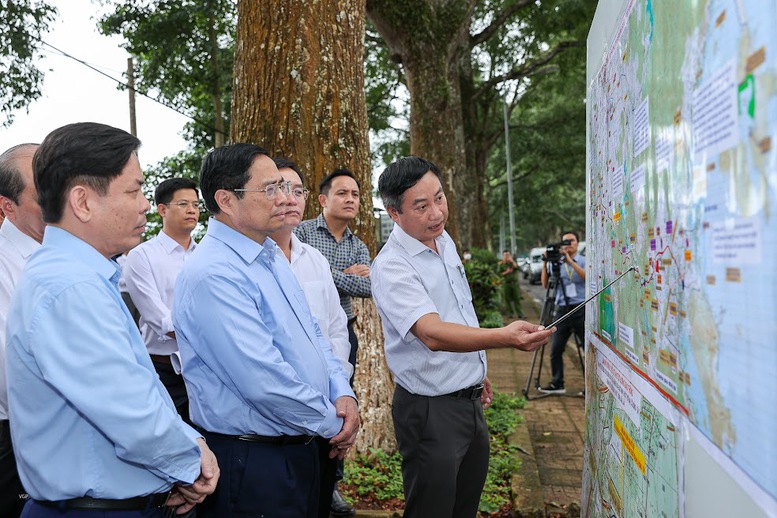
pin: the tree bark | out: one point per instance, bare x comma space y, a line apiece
299, 92
428, 38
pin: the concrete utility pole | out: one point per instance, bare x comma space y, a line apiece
131, 89
510, 206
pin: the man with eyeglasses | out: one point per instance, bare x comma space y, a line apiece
150, 272
313, 272
263, 381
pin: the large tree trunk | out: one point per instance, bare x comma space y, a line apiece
299, 92
428, 37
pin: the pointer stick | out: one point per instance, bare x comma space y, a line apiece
589, 299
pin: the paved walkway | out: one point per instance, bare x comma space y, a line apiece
551, 440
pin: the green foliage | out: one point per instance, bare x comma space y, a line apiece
501, 417
185, 164
547, 135
502, 420
388, 106
376, 475
492, 319
484, 282
22, 22
185, 50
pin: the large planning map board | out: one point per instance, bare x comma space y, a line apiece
682, 185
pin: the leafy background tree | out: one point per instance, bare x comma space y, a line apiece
21, 24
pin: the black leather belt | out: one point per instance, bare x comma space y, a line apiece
281, 440
138, 503
472, 392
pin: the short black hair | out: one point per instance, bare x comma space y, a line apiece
12, 183
86, 153
165, 191
326, 183
573, 232
226, 168
285, 163
400, 176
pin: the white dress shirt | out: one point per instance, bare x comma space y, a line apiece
410, 280
315, 276
15, 248
150, 272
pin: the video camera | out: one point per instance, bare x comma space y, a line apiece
553, 250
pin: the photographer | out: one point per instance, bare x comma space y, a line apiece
572, 279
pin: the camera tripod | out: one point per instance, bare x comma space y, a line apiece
555, 287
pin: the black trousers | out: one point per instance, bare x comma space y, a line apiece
444, 445
260, 479
175, 387
327, 474
12, 494
33, 510
574, 324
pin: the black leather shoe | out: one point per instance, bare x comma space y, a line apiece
339, 506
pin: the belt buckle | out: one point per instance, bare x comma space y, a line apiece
477, 390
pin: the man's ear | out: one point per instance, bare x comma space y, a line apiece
162, 210
225, 201
322, 200
393, 214
80, 200
8, 207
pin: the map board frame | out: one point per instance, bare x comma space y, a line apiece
712, 485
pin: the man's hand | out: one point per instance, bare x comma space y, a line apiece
349, 411
488, 394
362, 270
526, 336
186, 497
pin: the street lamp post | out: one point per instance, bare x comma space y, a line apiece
510, 207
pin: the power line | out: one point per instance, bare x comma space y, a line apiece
202, 123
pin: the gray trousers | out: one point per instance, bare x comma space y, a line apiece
444, 446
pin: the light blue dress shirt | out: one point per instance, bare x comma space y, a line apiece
410, 280
574, 285
89, 416
254, 359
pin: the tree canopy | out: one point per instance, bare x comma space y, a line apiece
22, 22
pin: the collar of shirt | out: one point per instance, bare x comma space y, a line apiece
297, 250
24, 243
321, 223
248, 249
170, 244
62, 239
414, 246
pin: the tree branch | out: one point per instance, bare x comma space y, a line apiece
499, 21
528, 69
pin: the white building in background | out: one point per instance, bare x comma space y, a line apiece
383, 226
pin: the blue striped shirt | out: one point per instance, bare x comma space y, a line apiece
410, 280
348, 251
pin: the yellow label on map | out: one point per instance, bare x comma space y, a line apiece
617, 216
629, 444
